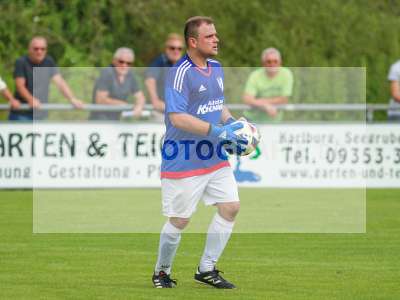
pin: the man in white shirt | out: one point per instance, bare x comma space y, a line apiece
394, 106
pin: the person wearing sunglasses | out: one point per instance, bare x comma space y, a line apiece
155, 74
267, 87
116, 84
33, 74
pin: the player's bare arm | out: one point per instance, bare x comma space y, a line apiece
226, 115
189, 123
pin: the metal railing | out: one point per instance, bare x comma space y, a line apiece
368, 109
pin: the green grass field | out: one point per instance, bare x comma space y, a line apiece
264, 266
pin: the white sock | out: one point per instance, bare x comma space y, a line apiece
169, 241
218, 235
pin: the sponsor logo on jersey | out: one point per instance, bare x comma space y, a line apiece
212, 105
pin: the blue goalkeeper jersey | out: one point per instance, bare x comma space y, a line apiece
200, 93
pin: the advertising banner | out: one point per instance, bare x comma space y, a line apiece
105, 155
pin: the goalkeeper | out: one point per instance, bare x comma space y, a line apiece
194, 107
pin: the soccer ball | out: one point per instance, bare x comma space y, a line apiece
249, 133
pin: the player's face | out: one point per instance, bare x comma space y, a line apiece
207, 40
37, 50
173, 50
272, 63
123, 63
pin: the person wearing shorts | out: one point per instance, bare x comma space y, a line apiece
194, 163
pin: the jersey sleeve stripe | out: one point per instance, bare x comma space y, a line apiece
182, 77
178, 72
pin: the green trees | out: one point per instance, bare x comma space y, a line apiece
356, 33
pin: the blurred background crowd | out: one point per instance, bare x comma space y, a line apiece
131, 44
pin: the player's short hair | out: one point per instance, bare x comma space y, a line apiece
124, 50
173, 37
269, 51
192, 25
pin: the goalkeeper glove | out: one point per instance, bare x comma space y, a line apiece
226, 132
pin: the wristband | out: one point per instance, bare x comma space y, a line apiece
230, 121
214, 130
209, 129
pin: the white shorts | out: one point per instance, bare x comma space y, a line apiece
181, 196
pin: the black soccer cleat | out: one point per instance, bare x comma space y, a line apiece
214, 279
162, 280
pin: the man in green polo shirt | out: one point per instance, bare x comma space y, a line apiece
267, 87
